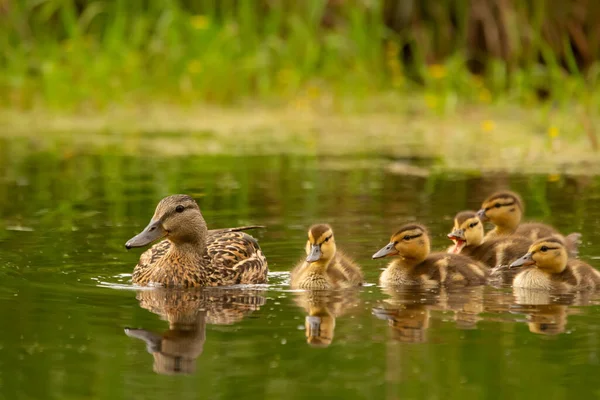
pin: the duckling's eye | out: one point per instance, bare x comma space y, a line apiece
327, 239
497, 205
406, 237
179, 208
473, 224
544, 249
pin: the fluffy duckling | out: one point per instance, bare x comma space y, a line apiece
505, 210
553, 270
415, 265
468, 235
191, 255
325, 267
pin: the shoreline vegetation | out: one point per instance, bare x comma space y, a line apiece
472, 85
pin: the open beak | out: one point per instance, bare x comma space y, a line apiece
315, 253
525, 260
481, 215
152, 232
389, 250
458, 237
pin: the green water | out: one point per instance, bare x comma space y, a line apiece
65, 298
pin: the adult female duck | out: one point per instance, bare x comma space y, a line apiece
192, 255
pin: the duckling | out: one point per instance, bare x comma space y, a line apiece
468, 235
505, 210
191, 255
553, 270
415, 265
325, 267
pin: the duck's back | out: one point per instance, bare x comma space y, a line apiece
235, 258
452, 269
353, 275
587, 276
535, 230
500, 250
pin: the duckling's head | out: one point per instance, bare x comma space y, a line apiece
411, 242
503, 209
468, 231
178, 218
548, 254
320, 244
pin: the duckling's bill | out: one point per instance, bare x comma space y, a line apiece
388, 250
527, 259
151, 233
315, 253
459, 239
481, 215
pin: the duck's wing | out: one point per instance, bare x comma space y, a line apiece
237, 257
236, 229
148, 259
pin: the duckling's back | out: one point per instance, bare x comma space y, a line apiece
454, 269
349, 269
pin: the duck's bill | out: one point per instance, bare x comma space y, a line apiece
389, 250
458, 246
153, 341
523, 261
315, 254
481, 215
151, 233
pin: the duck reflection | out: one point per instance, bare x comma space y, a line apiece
546, 312
188, 312
407, 312
323, 307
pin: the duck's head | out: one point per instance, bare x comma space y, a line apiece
320, 244
178, 218
411, 242
503, 209
467, 231
548, 254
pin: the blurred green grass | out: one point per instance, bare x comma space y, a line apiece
74, 54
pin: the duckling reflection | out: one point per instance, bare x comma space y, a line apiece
407, 312
546, 313
188, 312
467, 305
323, 307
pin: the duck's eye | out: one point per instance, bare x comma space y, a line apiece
544, 249
179, 208
473, 224
327, 239
497, 205
406, 237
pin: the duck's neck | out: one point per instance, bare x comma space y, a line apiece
503, 230
406, 264
190, 243
319, 267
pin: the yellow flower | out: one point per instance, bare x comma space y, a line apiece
485, 96
553, 177
553, 132
200, 22
437, 71
194, 67
488, 125
431, 101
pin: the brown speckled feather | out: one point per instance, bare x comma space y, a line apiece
231, 257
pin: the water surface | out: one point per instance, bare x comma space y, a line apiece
73, 328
